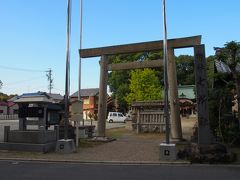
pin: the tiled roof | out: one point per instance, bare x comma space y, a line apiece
222, 67
13, 99
34, 97
2, 103
11, 104
87, 92
55, 96
37, 94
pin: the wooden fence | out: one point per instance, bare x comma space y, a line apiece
150, 121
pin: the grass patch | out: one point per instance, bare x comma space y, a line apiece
118, 132
84, 143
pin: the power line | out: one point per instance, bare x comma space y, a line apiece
59, 89
22, 81
20, 69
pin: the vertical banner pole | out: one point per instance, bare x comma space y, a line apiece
165, 52
67, 80
79, 75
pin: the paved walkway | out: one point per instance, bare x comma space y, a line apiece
129, 147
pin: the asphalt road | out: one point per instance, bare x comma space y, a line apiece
61, 171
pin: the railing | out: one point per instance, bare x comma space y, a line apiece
9, 117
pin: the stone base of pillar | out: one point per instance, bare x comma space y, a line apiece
168, 152
65, 146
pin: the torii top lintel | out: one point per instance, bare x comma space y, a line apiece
140, 47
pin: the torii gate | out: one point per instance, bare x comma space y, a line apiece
200, 71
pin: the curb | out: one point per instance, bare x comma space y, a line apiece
115, 163
99, 162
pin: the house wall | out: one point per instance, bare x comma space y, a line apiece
89, 105
3, 110
13, 109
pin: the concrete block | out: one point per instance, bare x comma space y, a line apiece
168, 152
6, 131
32, 136
65, 146
48, 147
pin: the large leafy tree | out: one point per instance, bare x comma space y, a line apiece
210, 71
185, 69
223, 87
230, 54
119, 81
144, 85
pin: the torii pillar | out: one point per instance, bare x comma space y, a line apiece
102, 102
175, 120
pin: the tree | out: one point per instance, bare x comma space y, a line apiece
230, 54
144, 85
185, 69
223, 87
1, 84
118, 81
210, 70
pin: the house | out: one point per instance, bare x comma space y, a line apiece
90, 101
187, 99
3, 108
12, 106
56, 98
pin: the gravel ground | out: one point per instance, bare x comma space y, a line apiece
128, 147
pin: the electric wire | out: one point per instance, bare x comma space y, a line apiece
20, 69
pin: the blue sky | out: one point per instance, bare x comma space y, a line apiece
33, 34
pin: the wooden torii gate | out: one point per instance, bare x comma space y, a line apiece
104, 52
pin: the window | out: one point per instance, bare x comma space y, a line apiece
120, 115
86, 101
115, 114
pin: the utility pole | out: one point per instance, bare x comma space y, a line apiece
50, 79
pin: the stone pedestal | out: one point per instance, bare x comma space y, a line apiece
65, 146
168, 152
